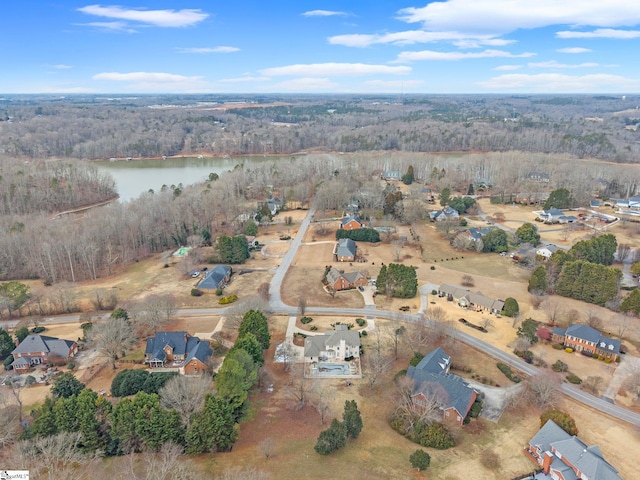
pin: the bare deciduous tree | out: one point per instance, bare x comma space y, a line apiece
412, 413
105, 299
267, 447
153, 312
185, 395
553, 309
467, 281
111, 337
624, 249
239, 473
542, 389
592, 319
164, 465
593, 385
237, 310
299, 388
10, 417
377, 359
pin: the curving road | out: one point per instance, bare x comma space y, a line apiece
279, 307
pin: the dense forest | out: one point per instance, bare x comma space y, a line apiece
94, 127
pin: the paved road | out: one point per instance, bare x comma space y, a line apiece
279, 307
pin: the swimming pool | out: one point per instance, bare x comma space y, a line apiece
332, 369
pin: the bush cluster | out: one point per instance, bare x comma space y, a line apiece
506, 369
229, 299
305, 320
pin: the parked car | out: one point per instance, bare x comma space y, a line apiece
361, 288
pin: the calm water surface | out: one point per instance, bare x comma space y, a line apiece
138, 176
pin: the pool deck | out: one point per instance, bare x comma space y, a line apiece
311, 370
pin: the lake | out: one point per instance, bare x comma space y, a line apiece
138, 176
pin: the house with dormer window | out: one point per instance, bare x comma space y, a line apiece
588, 341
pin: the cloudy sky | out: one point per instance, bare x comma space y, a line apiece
356, 46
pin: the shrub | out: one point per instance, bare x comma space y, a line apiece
219, 291
130, 382
420, 460
196, 293
305, 320
563, 420
37, 329
607, 360
506, 369
559, 366
331, 439
364, 333
71, 366
435, 436
361, 322
313, 328
574, 379
434, 292
229, 299
557, 346
568, 350
416, 359
7, 362
433, 267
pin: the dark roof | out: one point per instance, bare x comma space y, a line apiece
590, 334
559, 331
426, 376
202, 351
346, 248
215, 277
549, 433
180, 342
349, 219
42, 343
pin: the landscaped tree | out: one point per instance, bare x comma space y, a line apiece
66, 385
420, 460
397, 280
589, 282
560, 198
12, 296
251, 229
22, 333
214, 429
331, 439
632, 302
563, 420
445, 195
129, 382
635, 268
408, 178
236, 376
461, 204
528, 233
6, 344
528, 329
495, 241
232, 250
538, 281
255, 322
250, 344
600, 249
511, 307
352, 419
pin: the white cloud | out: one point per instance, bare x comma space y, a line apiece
156, 81
454, 56
61, 66
111, 26
499, 17
560, 83
304, 85
158, 18
508, 67
573, 50
334, 69
246, 78
410, 37
601, 33
322, 13
205, 50
554, 64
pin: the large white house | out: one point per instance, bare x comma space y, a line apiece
336, 346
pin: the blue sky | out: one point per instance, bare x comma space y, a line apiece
357, 46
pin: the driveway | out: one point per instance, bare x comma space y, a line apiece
628, 366
495, 399
367, 293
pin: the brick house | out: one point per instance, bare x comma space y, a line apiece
338, 280
474, 300
345, 250
39, 349
563, 456
351, 223
178, 350
431, 378
587, 340
216, 278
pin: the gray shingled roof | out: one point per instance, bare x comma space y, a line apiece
176, 340
315, 344
346, 248
42, 343
201, 350
426, 374
436, 361
590, 334
214, 277
549, 433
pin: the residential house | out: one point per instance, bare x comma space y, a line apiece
392, 175
345, 250
340, 280
566, 457
475, 234
546, 251
550, 216
531, 198
338, 346
216, 278
351, 223
177, 350
432, 381
539, 177
632, 203
587, 340
40, 349
564, 219
468, 299
274, 205
447, 213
